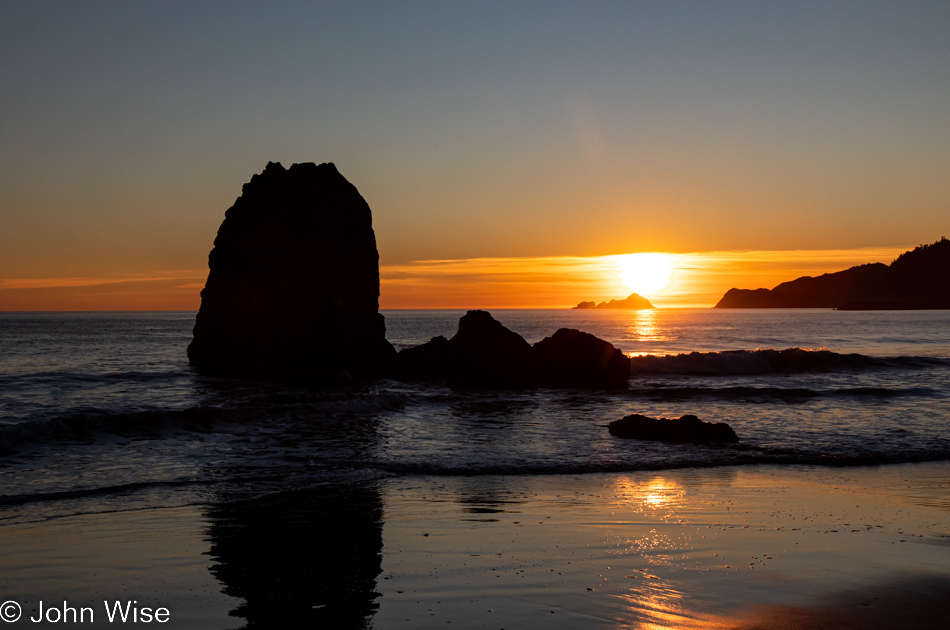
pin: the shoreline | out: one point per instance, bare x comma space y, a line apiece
742, 547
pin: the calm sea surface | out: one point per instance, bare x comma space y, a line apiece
100, 411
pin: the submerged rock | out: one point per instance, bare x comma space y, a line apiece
293, 287
686, 429
571, 358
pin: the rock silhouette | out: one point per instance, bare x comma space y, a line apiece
426, 361
631, 302
293, 287
484, 354
918, 279
571, 358
685, 429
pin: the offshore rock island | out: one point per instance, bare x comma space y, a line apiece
631, 302
293, 286
917, 279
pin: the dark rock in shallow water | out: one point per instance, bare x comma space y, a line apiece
571, 358
428, 361
293, 288
484, 354
685, 429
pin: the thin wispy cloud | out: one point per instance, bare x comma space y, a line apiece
56, 283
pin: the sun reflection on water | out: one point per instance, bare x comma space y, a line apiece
653, 602
644, 325
658, 493
657, 608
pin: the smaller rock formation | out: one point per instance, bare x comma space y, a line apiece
571, 358
686, 429
631, 302
484, 354
428, 361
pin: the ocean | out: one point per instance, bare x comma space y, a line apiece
100, 411
398, 504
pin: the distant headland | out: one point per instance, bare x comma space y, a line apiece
917, 279
633, 301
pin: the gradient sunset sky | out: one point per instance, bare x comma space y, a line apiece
504, 147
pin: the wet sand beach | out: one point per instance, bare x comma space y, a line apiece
154, 557
727, 547
745, 547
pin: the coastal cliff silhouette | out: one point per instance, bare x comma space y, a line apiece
917, 279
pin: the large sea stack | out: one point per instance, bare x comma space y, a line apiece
293, 288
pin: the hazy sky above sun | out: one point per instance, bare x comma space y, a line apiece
524, 134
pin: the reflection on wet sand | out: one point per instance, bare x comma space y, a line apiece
701, 548
655, 608
654, 494
308, 558
921, 603
653, 603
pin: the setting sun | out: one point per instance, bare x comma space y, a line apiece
645, 273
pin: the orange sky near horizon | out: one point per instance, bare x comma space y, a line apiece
697, 280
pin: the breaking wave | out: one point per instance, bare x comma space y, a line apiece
788, 361
772, 394
671, 457
92, 424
